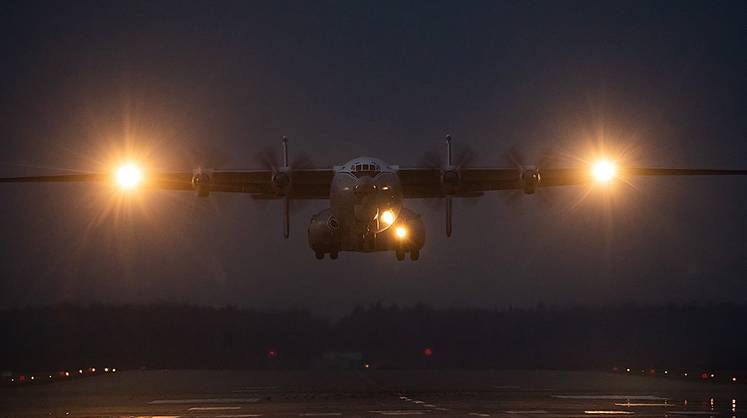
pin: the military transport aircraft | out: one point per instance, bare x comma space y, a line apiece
366, 195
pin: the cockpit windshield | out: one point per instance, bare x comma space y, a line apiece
365, 169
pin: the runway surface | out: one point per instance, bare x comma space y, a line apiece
375, 393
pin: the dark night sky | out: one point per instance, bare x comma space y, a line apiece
663, 81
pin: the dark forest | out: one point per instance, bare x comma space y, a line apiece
675, 337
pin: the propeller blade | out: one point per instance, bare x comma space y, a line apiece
268, 159
449, 215
515, 157
206, 156
286, 217
512, 198
465, 157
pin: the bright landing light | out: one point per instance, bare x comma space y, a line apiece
128, 176
603, 171
387, 217
400, 231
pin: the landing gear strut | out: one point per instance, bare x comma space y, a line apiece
332, 254
400, 254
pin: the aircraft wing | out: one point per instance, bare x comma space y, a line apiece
306, 183
472, 182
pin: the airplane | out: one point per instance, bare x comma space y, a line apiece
366, 195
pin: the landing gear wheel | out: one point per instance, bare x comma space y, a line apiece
333, 255
414, 255
319, 255
400, 254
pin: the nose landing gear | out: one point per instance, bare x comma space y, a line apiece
332, 254
400, 254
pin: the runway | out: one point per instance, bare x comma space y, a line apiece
372, 393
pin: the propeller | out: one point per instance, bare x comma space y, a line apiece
529, 176
282, 176
205, 157
450, 176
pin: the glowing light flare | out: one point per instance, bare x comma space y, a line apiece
603, 171
387, 217
400, 232
128, 176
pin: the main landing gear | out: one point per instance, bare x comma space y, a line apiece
332, 255
400, 254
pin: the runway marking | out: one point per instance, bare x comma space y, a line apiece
199, 401
418, 402
478, 414
403, 412
531, 412
641, 404
214, 408
429, 405
237, 416
613, 397
609, 412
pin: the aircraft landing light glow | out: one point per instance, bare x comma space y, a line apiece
387, 217
128, 176
603, 171
401, 232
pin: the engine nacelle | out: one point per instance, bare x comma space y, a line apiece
201, 183
450, 179
280, 180
530, 179
324, 232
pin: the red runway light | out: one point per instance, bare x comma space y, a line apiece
428, 352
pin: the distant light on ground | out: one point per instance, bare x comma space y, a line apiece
128, 176
603, 171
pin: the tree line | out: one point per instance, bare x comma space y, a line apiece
164, 335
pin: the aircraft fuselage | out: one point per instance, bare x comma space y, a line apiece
366, 213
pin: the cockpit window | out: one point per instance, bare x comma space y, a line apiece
371, 170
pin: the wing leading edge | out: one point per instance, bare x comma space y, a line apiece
305, 183
471, 182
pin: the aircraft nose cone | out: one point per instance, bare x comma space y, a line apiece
364, 187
